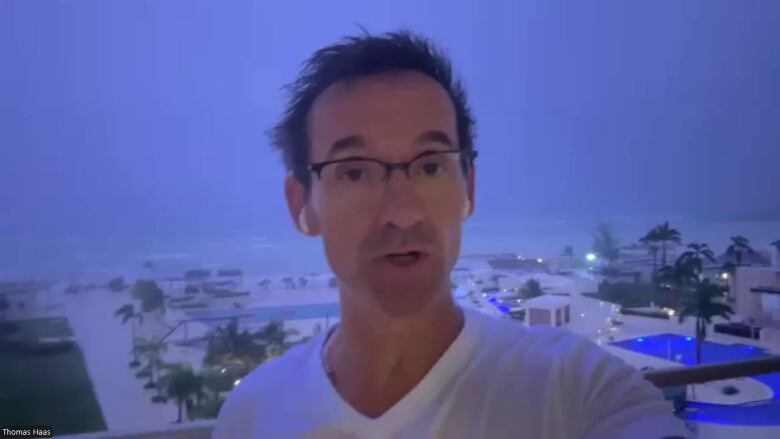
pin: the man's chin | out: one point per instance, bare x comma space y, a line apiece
400, 293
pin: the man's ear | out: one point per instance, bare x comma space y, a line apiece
303, 217
470, 178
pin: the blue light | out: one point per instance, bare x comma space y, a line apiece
656, 346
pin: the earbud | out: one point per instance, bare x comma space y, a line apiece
466, 209
302, 223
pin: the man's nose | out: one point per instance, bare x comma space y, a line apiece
400, 203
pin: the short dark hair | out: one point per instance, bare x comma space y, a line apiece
354, 57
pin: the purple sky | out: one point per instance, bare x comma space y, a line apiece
151, 115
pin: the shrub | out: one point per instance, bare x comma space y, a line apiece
117, 284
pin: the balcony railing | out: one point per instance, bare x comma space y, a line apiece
685, 375
662, 378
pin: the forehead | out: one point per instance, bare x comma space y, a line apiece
387, 111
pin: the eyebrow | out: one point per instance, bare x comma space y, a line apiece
357, 142
434, 136
345, 143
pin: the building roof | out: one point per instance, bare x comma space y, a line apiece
758, 257
197, 274
770, 290
547, 301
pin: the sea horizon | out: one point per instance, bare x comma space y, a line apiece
98, 257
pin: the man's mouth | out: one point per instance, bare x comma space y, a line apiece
404, 259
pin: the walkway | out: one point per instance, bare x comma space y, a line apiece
106, 344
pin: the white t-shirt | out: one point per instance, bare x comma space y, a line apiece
498, 379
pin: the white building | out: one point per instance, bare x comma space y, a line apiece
757, 294
547, 310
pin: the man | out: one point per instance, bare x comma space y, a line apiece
378, 140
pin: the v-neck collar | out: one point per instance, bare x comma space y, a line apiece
452, 361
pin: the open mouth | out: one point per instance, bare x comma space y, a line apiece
404, 259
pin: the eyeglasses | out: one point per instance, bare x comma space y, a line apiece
428, 170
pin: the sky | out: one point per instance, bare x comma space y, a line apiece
151, 116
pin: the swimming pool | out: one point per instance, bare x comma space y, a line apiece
668, 346
262, 314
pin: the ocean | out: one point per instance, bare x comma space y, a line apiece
85, 258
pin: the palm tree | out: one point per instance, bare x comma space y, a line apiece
606, 244
650, 241
738, 248
241, 351
229, 348
151, 296
680, 275
701, 303
696, 253
183, 384
127, 312
274, 337
664, 234
150, 350
568, 252
652, 248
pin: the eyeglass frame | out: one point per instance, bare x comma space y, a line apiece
468, 155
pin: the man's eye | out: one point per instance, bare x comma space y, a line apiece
431, 168
354, 174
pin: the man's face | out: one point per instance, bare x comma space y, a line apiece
397, 240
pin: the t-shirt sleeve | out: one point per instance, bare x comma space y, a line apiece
619, 402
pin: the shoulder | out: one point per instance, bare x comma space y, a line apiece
545, 344
262, 389
573, 359
554, 355
598, 393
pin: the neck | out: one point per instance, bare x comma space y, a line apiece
377, 358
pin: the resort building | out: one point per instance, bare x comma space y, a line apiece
757, 293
